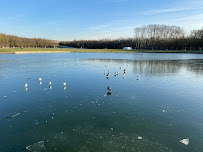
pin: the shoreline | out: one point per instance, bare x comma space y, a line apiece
64, 50
34, 52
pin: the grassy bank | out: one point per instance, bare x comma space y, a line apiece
31, 50
67, 50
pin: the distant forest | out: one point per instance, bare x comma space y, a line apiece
15, 41
153, 36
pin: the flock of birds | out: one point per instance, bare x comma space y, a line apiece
116, 74
107, 76
40, 82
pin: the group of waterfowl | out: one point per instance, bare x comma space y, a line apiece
50, 84
116, 73
107, 76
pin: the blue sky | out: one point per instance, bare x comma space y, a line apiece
94, 19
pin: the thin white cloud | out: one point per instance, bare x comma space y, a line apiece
190, 22
170, 10
16, 17
191, 17
111, 33
99, 27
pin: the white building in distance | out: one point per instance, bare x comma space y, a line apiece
127, 48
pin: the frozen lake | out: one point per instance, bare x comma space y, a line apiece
152, 113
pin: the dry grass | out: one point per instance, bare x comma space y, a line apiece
67, 50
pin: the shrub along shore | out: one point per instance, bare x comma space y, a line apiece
68, 50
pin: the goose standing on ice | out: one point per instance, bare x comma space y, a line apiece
50, 87
40, 81
26, 87
138, 77
123, 75
64, 86
109, 90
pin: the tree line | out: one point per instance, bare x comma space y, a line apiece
153, 36
15, 41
